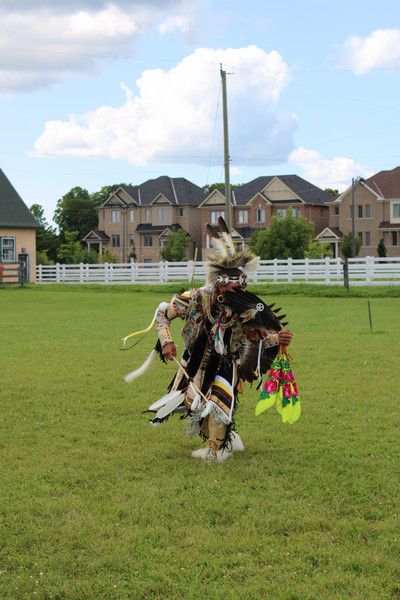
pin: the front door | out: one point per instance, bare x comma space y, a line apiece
24, 258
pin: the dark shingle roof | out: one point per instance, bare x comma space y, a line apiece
94, 235
149, 228
177, 190
386, 183
13, 210
309, 193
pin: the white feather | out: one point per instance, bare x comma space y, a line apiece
229, 243
145, 366
196, 402
163, 401
170, 406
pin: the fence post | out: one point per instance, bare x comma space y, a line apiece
39, 274
275, 270
327, 270
106, 279
289, 264
132, 264
57, 272
81, 272
369, 269
160, 271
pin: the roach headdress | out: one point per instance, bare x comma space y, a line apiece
225, 257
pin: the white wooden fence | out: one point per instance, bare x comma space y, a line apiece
328, 271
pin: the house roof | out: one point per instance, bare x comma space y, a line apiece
149, 228
13, 210
309, 193
386, 183
94, 236
387, 225
176, 190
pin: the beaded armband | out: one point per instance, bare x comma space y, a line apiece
162, 325
164, 335
271, 340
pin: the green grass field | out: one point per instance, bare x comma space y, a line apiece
97, 504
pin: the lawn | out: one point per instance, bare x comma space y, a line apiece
97, 504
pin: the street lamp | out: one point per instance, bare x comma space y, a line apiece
353, 212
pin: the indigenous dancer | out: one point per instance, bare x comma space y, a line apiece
229, 336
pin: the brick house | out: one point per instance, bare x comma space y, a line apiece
255, 203
136, 220
377, 214
17, 230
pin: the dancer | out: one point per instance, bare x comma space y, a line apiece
229, 335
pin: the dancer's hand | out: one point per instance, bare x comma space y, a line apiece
284, 337
169, 351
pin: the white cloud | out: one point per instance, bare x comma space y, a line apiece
378, 50
335, 173
172, 118
42, 41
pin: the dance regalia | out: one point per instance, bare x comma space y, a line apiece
219, 352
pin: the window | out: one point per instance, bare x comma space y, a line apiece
147, 215
115, 240
181, 212
260, 215
336, 212
396, 210
131, 213
360, 235
296, 212
162, 214
243, 216
215, 214
282, 213
115, 216
360, 211
7, 249
394, 238
367, 211
367, 238
148, 240
131, 240
148, 261
322, 212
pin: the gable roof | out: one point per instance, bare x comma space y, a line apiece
178, 191
386, 183
13, 210
306, 191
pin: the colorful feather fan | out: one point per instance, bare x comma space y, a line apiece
280, 389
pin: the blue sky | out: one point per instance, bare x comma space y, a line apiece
94, 93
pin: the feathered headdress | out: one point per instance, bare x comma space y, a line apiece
225, 255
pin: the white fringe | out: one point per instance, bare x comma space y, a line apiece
145, 366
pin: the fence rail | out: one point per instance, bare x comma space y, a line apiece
12, 273
328, 271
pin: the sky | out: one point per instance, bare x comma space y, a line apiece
95, 93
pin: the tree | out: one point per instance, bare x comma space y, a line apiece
381, 249
177, 242
318, 250
72, 252
219, 186
346, 247
47, 240
286, 237
76, 212
332, 192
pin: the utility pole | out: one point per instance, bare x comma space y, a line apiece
228, 218
353, 224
